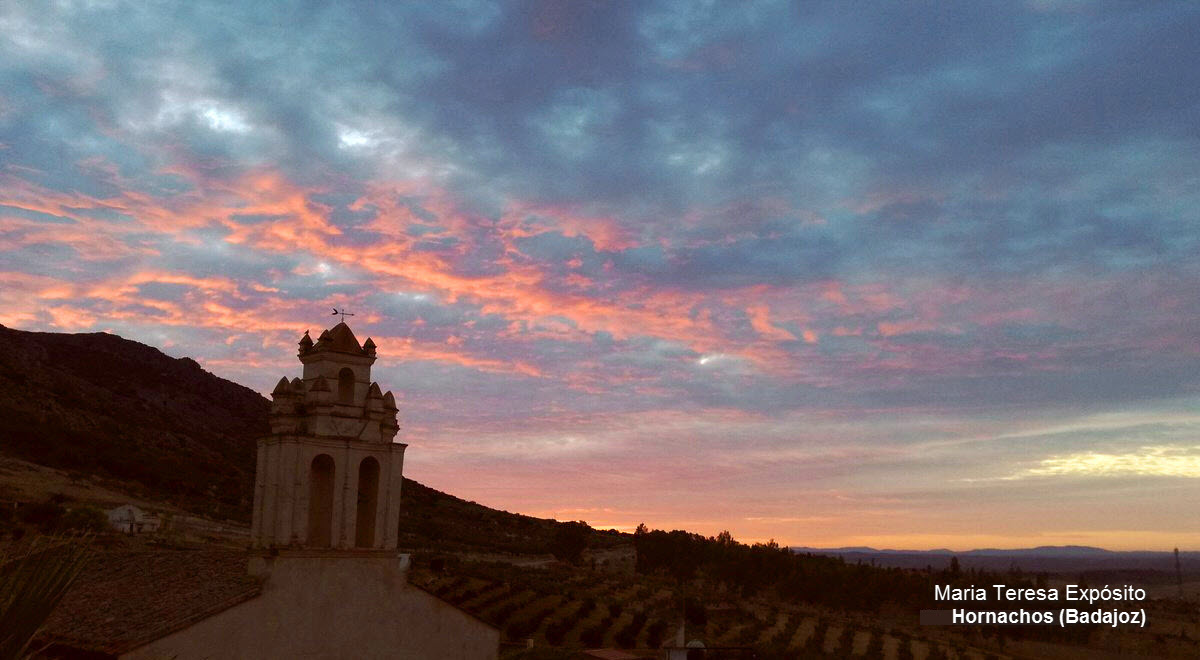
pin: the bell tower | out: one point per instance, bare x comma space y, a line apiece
330, 472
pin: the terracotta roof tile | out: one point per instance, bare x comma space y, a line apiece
124, 599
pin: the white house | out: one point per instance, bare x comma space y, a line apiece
130, 519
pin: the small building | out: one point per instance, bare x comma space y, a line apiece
130, 519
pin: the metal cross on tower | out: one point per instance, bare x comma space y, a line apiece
341, 312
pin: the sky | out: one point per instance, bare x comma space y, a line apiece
906, 275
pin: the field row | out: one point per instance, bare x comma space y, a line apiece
604, 614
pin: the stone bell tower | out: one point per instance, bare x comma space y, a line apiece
332, 583
329, 474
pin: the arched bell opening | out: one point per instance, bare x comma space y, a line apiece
368, 503
346, 385
320, 501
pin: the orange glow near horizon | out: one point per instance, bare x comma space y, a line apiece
619, 281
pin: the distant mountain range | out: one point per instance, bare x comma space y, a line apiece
1040, 551
1048, 558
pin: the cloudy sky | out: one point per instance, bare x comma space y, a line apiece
905, 276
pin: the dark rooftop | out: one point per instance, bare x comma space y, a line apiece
340, 339
124, 599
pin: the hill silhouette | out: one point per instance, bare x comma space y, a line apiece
1051, 559
102, 405
96, 404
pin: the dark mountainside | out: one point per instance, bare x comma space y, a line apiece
167, 430
99, 404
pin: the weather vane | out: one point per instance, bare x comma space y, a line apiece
341, 312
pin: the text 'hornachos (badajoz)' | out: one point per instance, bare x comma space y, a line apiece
1073, 604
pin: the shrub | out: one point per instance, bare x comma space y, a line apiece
520, 629
875, 646
46, 516
627, 636
841, 644
528, 625
570, 540
694, 612
655, 633
85, 519
779, 642
594, 636
502, 613
556, 632
816, 641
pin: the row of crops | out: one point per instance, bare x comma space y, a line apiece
595, 610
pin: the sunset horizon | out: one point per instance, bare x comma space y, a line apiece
916, 278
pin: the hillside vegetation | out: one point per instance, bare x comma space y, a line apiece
102, 405
114, 412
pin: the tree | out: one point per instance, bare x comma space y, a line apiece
85, 519
694, 612
570, 540
46, 516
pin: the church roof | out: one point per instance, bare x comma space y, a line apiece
124, 599
340, 339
